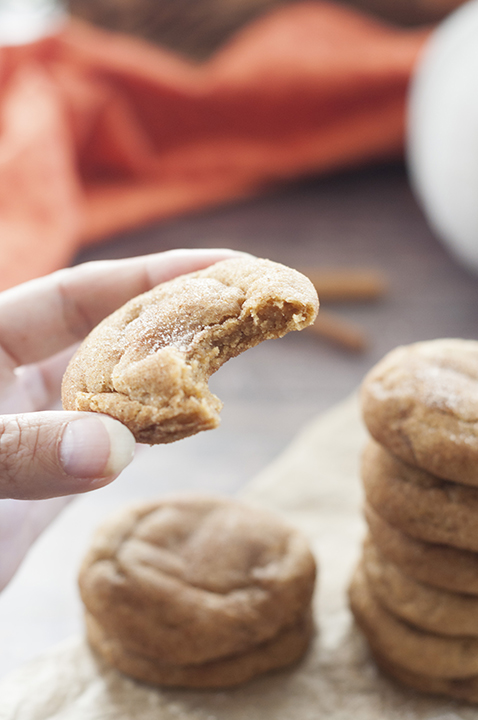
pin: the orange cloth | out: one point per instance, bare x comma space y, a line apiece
100, 132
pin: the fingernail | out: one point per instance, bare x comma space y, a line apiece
95, 447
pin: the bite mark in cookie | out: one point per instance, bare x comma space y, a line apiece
148, 364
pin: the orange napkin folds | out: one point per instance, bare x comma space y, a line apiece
100, 132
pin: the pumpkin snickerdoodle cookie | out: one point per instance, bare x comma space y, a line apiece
418, 503
457, 688
285, 648
421, 402
148, 364
426, 661
427, 607
188, 584
415, 591
441, 566
406, 645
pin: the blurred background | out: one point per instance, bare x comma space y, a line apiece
278, 128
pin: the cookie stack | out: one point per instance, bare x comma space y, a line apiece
415, 592
198, 592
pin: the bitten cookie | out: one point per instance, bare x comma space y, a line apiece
148, 364
427, 607
189, 580
406, 645
418, 503
421, 403
438, 565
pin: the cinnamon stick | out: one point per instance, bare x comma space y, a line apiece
341, 332
345, 285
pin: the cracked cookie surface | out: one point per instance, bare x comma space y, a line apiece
418, 503
442, 566
429, 608
190, 582
405, 644
148, 364
421, 402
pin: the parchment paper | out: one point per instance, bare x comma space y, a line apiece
315, 484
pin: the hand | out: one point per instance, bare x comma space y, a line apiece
54, 454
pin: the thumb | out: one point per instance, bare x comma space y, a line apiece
48, 454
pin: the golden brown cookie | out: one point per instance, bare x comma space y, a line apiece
189, 579
459, 689
421, 402
148, 364
438, 565
285, 648
404, 644
426, 607
419, 503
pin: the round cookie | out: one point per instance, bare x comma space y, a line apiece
285, 648
188, 579
438, 565
459, 689
148, 364
421, 402
405, 645
438, 611
418, 503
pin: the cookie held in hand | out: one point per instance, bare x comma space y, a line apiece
148, 364
198, 591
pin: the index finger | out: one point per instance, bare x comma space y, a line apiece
41, 317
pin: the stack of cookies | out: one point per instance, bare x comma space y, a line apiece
198, 592
415, 592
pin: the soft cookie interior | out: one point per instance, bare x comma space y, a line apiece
148, 364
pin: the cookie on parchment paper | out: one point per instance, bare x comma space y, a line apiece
459, 689
193, 581
280, 651
406, 645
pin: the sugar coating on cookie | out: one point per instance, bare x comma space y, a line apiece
421, 402
441, 566
458, 688
190, 580
148, 364
418, 503
407, 645
284, 649
433, 609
